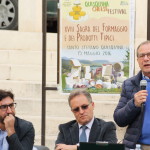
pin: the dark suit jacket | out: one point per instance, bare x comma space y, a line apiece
23, 139
100, 131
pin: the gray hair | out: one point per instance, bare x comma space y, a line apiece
78, 92
143, 43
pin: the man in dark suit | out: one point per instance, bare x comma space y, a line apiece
71, 133
15, 133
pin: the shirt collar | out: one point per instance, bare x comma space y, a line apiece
3, 133
89, 125
145, 77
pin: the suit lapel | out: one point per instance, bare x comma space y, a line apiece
95, 131
17, 128
74, 131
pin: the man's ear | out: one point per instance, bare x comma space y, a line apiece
93, 104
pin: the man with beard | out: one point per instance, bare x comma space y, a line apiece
86, 128
15, 133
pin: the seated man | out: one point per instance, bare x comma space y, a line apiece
86, 128
15, 133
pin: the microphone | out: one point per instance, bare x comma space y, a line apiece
143, 84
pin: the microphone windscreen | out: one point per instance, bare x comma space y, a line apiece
143, 84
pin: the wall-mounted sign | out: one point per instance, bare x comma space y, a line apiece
96, 44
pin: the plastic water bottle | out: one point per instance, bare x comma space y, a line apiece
138, 147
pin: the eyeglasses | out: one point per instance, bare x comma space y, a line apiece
5, 107
142, 55
83, 107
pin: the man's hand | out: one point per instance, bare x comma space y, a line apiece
9, 122
65, 147
140, 97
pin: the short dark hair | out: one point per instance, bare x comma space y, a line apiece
5, 93
143, 43
77, 92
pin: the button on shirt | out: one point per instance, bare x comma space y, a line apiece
3, 141
87, 131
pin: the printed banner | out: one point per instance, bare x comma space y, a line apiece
96, 44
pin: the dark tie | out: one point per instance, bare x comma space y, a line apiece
83, 137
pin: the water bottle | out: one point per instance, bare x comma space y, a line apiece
138, 147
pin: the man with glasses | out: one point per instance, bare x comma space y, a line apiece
133, 109
15, 133
86, 128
